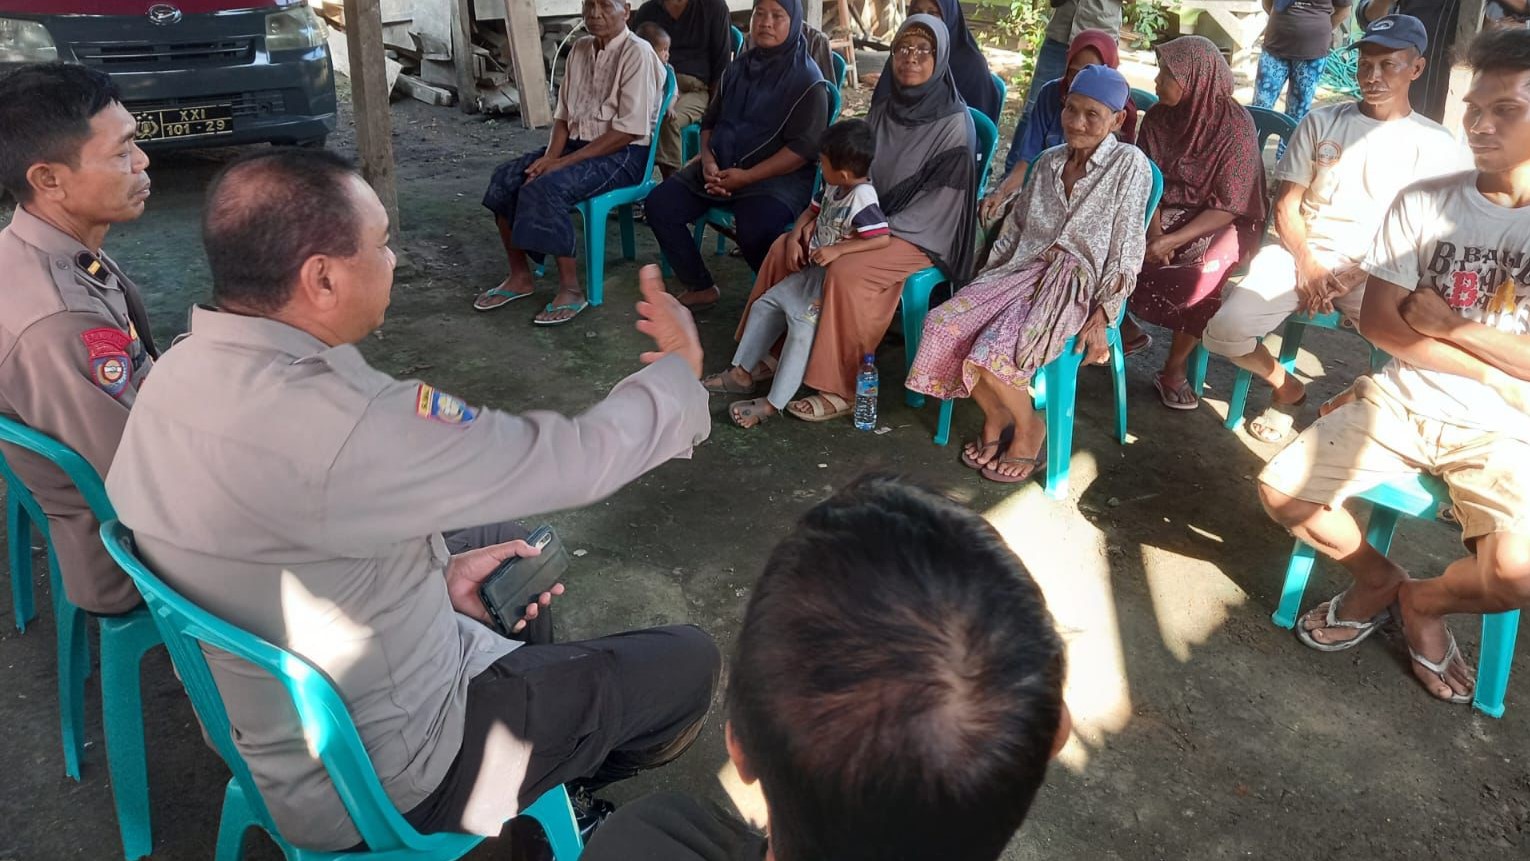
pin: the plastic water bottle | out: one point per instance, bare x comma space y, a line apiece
866, 394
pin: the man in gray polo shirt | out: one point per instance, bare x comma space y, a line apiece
275, 479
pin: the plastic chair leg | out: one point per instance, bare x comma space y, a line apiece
236, 820
124, 642
943, 427
18, 531
629, 232
1297, 572
1291, 343
916, 306
1499, 630
722, 244
594, 252
1118, 372
556, 815
1379, 359
700, 233
73, 659
1381, 528
1061, 381
1198, 362
1238, 403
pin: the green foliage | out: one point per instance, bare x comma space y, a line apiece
1149, 17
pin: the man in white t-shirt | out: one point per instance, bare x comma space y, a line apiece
1345, 165
1446, 296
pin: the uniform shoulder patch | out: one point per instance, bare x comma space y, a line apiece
431, 403
110, 367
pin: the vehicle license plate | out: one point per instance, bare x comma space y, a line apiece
205, 121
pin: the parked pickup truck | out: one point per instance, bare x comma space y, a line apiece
194, 72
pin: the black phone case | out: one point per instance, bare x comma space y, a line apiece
516, 582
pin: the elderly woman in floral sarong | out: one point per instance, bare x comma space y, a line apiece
1065, 261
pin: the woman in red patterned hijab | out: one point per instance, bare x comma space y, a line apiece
1212, 212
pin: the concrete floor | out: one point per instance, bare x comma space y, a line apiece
1203, 731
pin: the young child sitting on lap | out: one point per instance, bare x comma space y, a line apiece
657, 37
845, 218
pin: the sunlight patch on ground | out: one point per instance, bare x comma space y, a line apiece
1190, 602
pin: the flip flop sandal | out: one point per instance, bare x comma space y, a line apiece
1039, 463
1275, 423
837, 407
1365, 628
722, 384
746, 410
971, 463
576, 307
1439, 670
1136, 345
1167, 395
485, 300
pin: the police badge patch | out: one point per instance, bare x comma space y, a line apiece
444, 408
110, 368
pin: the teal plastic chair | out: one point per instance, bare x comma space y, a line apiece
125, 640
1055, 386
1143, 99
1002, 87
1267, 124
1422, 497
690, 136
721, 220
841, 68
1290, 345
918, 287
327, 725
597, 209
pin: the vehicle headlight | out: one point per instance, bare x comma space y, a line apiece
295, 30
25, 42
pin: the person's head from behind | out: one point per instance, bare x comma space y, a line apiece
1498, 103
897, 689
845, 152
296, 235
657, 37
67, 147
1095, 107
1390, 59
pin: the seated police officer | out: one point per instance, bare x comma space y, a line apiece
74, 336
274, 478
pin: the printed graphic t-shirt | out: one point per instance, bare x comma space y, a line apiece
1442, 234
847, 213
1354, 166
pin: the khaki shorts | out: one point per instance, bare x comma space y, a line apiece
1376, 440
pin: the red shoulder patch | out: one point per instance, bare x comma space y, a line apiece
110, 367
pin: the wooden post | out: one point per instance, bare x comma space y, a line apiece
369, 101
812, 13
526, 59
462, 55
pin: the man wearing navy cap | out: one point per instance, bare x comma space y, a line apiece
1439, 20
1345, 165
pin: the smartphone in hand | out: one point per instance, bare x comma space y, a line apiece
519, 580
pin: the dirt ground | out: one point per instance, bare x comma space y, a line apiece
1203, 730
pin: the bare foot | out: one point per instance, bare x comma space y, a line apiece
567, 305
1292, 391
748, 414
1429, 637
1360, 605
1023, 456
996, 434
701, 298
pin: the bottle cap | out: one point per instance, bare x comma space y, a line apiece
870, 359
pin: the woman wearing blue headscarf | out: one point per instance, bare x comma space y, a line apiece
968, 65
759, 148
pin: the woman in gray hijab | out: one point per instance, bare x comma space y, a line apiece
925, 173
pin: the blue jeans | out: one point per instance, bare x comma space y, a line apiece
1051, 64
1274, 72
538, 212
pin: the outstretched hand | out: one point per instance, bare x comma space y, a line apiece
666, 321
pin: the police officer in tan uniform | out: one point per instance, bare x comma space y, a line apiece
274, 478
74, 337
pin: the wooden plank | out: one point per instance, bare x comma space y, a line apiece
369, 102
526, 59
812, 13
421, 91
462, 55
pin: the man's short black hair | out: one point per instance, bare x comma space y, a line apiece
898, 682
269, 213
1500, 51
45, 113
850, 145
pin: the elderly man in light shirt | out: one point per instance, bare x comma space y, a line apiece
603, 126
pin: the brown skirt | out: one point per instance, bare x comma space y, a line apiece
860, 294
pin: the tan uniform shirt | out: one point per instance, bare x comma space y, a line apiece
297, 492
618, 87
74, 347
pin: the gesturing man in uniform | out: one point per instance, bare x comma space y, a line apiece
277, 480
74, 336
